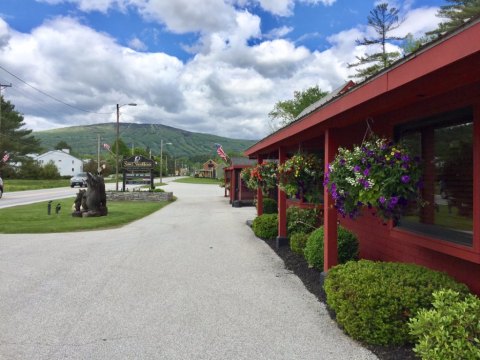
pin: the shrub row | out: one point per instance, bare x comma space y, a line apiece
374, 301
449, 331
347, 245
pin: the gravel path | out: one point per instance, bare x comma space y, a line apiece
190, 281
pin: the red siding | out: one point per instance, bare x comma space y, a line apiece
377, 243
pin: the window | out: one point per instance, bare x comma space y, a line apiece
445, 146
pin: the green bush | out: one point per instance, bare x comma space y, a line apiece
374, 301
302, 220
298, 242
347, 245
269, 206
449, 331
266, 226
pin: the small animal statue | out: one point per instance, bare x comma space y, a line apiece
96, 198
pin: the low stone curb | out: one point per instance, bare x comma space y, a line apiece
139, 196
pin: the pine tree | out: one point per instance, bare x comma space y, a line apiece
456, 13
383, 20
14, 138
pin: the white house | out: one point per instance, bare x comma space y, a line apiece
67, 164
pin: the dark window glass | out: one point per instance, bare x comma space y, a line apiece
446, 149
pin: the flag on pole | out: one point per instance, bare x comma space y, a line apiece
220, 152
6, 157
106, 147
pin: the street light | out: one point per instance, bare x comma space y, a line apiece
118, 138
161, 159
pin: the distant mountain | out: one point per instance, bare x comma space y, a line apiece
83, 139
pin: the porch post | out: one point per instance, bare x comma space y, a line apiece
282, 207
476, 176
259, 193
232, 187
330, 252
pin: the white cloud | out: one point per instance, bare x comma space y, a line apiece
227, 87
137, 44
278, 32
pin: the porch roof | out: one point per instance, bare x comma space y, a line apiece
438, 68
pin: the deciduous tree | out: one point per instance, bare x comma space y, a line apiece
284, 112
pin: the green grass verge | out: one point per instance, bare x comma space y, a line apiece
21, 185
194, 180
33, 219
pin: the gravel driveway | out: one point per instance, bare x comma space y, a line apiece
190, 281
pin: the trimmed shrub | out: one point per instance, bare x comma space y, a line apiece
347, 247
298, 242
374, 301
449, 331
269, 206
266, 226
302, 220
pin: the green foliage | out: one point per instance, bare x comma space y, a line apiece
383, 20
457, 12
62, 145
14, 138
449, 331
347, 244
269, 206
50, 171
197, 147
297, 242
376, 173
374, 301
302, 220
265, 226
263, 176
302, 176
284, 112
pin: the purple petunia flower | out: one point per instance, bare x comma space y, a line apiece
393, 201
366, 172
342, 161
382, 200
356, 168
405, 179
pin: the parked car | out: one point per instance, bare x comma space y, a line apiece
1, 187
79, 180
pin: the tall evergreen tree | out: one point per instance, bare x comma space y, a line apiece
383, 20
284, 112
457, 12
14, 138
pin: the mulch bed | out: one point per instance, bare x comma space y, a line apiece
311, 280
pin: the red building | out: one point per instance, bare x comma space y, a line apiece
431, 99
235, 188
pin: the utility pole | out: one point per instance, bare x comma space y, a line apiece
99, 169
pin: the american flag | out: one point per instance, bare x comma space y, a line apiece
6, 157
221, 152
106, 146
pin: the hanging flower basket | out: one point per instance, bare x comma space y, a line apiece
376, 174
263, 176
302, 176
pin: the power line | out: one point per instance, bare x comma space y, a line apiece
50, 96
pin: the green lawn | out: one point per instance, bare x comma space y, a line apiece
21, 185
34, 219
194, 180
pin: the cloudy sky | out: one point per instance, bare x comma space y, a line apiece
211, 66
